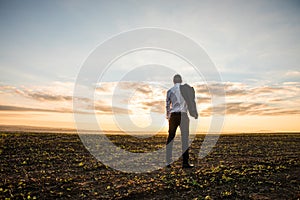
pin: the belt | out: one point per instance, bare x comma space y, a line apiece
178, 113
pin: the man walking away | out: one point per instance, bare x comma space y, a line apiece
177, 107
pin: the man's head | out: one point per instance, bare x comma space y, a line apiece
177, 79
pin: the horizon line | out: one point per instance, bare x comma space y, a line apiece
44, 129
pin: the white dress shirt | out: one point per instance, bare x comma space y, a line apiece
174, 101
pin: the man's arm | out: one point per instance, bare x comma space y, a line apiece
168, 105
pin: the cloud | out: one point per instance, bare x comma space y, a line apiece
247, 109
106, 109
267, 90
25, 109
218, 89
142, 87
40, 96
203, 100
106, 87
292, 73
157, 106
55, 92
118, 88
237, 90
53, 97
144, 90
99, 109
135, 97
242, 99
138, 97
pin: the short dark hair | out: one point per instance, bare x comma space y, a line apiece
177, 79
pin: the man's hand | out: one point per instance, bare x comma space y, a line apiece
168, 116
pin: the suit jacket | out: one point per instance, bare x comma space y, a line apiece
188, 94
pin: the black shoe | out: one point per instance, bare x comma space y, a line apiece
187, 166
168, 166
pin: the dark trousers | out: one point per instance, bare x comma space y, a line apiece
182, 120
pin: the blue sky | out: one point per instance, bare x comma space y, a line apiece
44, 43
49, 40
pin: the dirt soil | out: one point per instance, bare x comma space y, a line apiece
58, 166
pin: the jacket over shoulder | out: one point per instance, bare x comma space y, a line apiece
188, 94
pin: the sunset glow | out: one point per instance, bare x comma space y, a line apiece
248, 109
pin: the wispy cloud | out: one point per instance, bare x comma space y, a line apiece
293, 73
25, 109
157, 106
236, 89
58, 98
135, 97
246, 109
241, 99
55, 92
47, 97
104, 108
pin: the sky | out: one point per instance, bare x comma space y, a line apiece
254, 45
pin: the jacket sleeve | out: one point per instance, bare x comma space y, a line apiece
194, 106
168, 104
188, 94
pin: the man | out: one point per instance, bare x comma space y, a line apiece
177, 108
